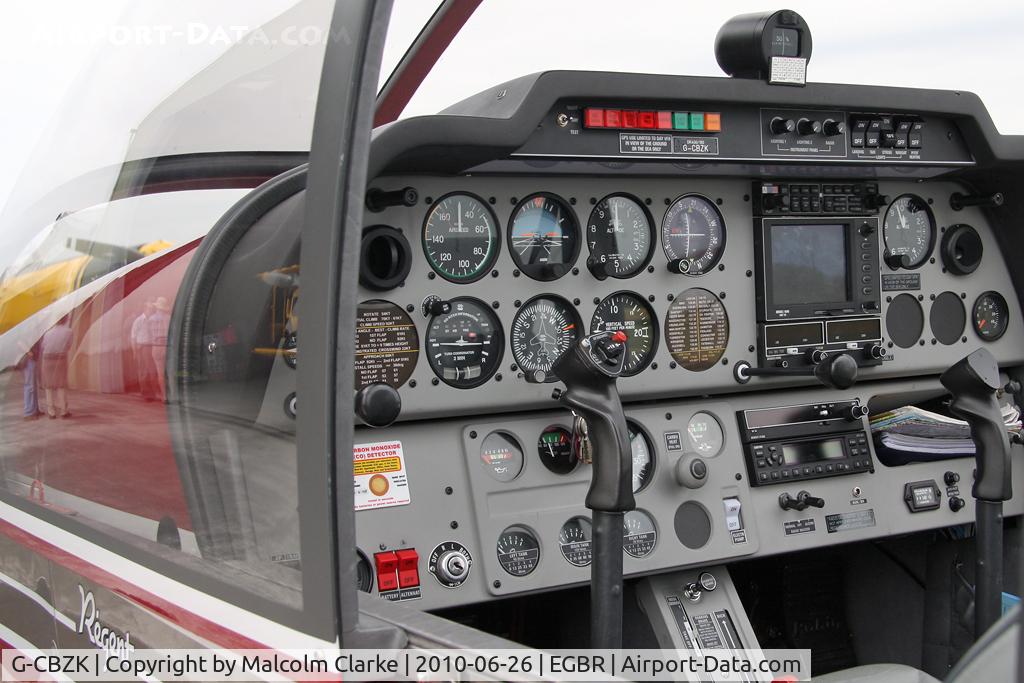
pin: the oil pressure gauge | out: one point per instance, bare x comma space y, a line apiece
990, 316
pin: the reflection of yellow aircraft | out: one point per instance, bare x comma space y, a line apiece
28, 292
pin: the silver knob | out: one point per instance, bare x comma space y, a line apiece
692, 591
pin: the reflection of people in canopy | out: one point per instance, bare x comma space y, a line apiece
157, 324
143, 355
55, 347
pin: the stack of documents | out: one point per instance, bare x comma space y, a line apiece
914, 430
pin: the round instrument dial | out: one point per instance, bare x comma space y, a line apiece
576, 540
501, 456
387, 344
639, 535
620, 236
990, 316
544, 237
542, 330
461, 238
693, 235
629, 313
705, 434
642, 453
696, 329
557, 450
518, 550
465, 345
908, 232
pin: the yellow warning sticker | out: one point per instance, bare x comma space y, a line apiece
379, 475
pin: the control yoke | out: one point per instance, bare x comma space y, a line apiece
589, 370
973, 382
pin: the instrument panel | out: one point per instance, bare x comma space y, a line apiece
514, 269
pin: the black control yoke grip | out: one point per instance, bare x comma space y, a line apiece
973, 382
589, 370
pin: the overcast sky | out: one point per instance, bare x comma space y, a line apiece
974, 46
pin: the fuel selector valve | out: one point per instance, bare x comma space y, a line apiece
802, 501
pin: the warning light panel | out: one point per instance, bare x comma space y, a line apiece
646, 119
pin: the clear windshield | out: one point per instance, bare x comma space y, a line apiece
916, 43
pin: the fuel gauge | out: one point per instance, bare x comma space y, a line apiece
576, 540
518, 550
639, 535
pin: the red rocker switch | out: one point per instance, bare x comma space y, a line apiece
387, 571
408, 568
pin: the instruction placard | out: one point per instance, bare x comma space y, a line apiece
379, 475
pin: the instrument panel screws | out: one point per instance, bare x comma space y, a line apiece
435, 381
650, 297
409, 308
431, 275
517, 303
746, 197
448, 490
668, 416
750, 349
494, 273
672, 365
597, 300
725, 361
572, 201
963, 339
428, 200
495, 304
496, 584
920, 297
576, 301
654, 366
454, 524
382, 546
719, 201
575, 271
515, 273
721, 267
593, 200
497, 378
670, 297
412, 384
963, 295
647, 201
932, 297
750, 273
650, 269
472, 434
492, 200
739, 477
721, 295
514, 200
562, 120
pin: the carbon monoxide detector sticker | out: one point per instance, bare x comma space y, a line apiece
378, 471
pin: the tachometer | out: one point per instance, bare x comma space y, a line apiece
543, 329
696, 329
908, 232
620, 236
643, 457
518, 550
557, 450
990, 316
461, 237
465, 345
692, 235
632, 315
544, 237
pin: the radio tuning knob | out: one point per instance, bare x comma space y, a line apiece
816, 356
781, 126
866, 229
956, 503
831, 127
875, 352
808, 127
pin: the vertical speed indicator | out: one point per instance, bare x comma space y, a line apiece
629, 313
461, 237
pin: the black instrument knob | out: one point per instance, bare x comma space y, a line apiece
838, 371
956, 503
816, 355
831, 127
896, 261
809, 500
875, 352
378, 405
951, 478
597, 268
856, 412
866, 229
808, 127
679, 266
781, 126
